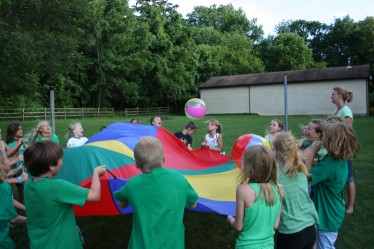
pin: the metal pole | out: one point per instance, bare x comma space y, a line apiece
52, 104
285, 102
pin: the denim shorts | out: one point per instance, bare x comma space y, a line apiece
326, 240
350, 172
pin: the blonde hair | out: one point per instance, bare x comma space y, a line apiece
149, 154
259, 166
71, 128
215, 122
36, 133
340, 141
287, 147
346, 94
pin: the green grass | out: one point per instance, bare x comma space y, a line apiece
207, 230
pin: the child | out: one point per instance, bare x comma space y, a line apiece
185, 135
298, 214
49, 202
314, 135
18, 144
275, 126
213, 140
329, 177
158, 198
43, 132
8, 214
258, 200
134, 121
156, 121
75, 136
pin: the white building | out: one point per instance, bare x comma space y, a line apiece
309, 91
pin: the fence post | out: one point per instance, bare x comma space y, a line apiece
65, 112
82, 112
45, 113
98, 112
23, 114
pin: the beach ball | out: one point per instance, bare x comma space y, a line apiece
242, 143
195, 108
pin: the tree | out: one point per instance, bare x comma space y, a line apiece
337, 42
39, 41
285, 52
313, 33
224, 18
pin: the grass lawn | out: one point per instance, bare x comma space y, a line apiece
207, 230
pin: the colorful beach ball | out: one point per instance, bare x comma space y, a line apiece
242, 143
195, 108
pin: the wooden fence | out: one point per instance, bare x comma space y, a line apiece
45, 113
65, 113
148, 111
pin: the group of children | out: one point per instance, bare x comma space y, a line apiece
14, 153
272, 192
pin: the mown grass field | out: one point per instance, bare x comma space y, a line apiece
207, 230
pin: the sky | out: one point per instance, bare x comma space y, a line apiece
269, 13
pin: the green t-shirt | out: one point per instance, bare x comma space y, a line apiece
158, 199
50, 215
258, 224
298, 211
7, 210
54, 138
344, 112
329, 177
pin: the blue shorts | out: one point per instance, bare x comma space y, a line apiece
350, 172
326, 240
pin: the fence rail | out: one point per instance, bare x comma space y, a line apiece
148, 111
45, 113
65, 113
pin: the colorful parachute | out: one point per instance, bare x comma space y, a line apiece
212, 175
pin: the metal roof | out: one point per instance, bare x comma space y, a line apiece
309, 75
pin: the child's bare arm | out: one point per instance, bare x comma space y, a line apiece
309, 157
19, 205
237, 222
19, 219
122, 204
193, 205
94, 193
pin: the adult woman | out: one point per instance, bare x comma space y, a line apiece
340, 96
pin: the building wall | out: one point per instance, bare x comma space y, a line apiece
303, 98
226, 100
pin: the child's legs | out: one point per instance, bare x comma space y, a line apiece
351, 189
326, 240
303, 239
5, 241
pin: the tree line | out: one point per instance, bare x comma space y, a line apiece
105, 53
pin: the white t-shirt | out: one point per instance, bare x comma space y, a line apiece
212, 141
76, 142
